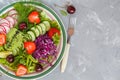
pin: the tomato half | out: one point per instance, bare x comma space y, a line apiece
30, 47
34, 17
53, 31
21, 70
2, 39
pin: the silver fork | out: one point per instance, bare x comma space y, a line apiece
70, 32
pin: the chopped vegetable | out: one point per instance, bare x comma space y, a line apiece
21, 70
39, 29
34, 17
54, 24
44, 47
56, 38
2, 39
10, 58
30, 47
53, 31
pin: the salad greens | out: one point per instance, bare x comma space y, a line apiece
31, 39
56, 39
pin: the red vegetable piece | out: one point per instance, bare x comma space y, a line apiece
30, 47
2, 39
21, 70
53, 31
34, 17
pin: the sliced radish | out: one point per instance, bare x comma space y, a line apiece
5, 24
4, 21
15, 16
3, 29
7, 28
15, 21
12, 11
11, 21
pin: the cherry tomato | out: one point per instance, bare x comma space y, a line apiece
21, 70
53, 31
2, 39
30, 47
34, 17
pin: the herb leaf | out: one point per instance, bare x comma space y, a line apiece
63, 12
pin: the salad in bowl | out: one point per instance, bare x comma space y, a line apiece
32, 40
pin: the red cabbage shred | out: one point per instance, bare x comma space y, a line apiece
44, 47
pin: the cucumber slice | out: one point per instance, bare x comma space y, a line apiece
36, 31
40, 30
44, 14
43, 27
47, 24
33, 30
32, 34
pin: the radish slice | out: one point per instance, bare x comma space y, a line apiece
11, 21
7, 28
15, 16
3, 29
11, 12
4, 21
15, 21
5, 24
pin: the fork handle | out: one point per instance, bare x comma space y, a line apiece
65, 58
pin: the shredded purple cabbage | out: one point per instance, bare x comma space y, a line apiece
44, 47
